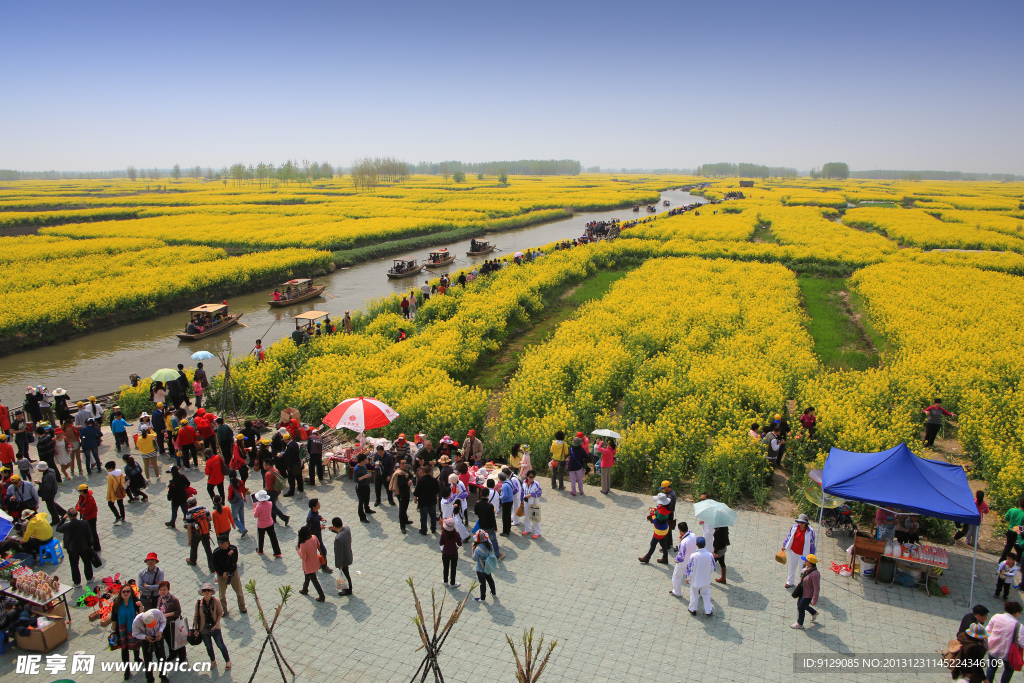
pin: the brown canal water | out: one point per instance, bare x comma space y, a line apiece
100, 362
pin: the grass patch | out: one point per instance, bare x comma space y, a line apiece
839, 340
493, 375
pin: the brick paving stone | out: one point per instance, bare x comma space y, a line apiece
580, 583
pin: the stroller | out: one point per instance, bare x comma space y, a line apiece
838, 519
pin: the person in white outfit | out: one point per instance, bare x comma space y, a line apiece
531, 494
699, 570
517, 494
799, 542
687, 546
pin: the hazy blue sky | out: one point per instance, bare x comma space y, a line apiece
910, 85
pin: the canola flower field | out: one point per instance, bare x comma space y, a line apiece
128, 249
703, 336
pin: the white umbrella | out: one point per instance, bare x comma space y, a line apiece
202, 355
519, 254
606, 432
713, 513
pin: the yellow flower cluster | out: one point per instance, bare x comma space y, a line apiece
916, 227
330, 215
68, 293
714, 344
709, 225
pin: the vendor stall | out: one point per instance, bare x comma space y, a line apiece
897, 478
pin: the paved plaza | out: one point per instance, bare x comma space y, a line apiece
580, 583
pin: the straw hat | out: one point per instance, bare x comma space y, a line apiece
59, 392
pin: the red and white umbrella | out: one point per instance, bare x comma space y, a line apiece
360, 414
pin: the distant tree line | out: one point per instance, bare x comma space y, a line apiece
369, 172
521, 167
934, 175
726, 169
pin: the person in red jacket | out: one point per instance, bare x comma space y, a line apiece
5, 418
187, 439
205, 426
87, 510
6, 452
215, 467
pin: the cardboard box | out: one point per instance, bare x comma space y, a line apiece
46, 639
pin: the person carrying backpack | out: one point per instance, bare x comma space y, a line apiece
486, 563
198, 522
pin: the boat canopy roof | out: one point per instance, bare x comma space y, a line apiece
311, 315
208, 308
296, 281
483, 242
402, 260
443, 250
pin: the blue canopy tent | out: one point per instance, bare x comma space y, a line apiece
897, 478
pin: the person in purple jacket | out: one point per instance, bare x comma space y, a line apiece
810, 582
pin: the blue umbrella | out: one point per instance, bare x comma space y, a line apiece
202, 355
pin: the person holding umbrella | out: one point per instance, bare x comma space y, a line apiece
799, 542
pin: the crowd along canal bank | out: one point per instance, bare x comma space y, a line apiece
100, 362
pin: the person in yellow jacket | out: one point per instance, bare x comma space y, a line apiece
559, 451
117, 489
37, 531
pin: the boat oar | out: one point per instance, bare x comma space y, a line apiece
264, 335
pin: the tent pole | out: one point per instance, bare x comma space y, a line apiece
821, 510
974, 565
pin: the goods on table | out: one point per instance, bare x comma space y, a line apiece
39, 586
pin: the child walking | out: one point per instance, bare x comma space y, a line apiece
1006, 576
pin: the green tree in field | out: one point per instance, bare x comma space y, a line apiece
835, 170
479, 176
459, 177
176, 172
503, 178
132, 173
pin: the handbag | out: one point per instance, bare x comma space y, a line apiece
535, 513
798, 592
180, 633
519, 511
341, 583
95, 559
1015, 656
194, 637
780, 557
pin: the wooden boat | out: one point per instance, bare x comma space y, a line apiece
304, 289
307, 322
204, 311
665, 203
438, 258
482, 247
404, 268
636, 207
650, 208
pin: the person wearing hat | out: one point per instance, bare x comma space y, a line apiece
346, 323
225, 563
187, 438
45, 449
158, 420
198, 523
666, 488
117, 490
293, 462
473, 448
60, 404
146, 444
89, 511
807, 592
90, 436
48, 490
123, 610
20, 495
19, 428
238, 465
148, 628
450, 542
78, 545
6, 451
799, 541
36, 531
400, 449
699, 571
577, 465
209, 612
315, 449
263, 511
149, 581
216, 468
658, 516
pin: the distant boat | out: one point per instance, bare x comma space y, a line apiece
304, 289
479, 247
438, 258
201, 328
404, 268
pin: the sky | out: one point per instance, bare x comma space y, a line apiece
878, 85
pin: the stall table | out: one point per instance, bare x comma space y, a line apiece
930, 557
59, 596
867, 547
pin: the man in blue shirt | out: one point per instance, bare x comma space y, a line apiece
119, 426
507, 498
